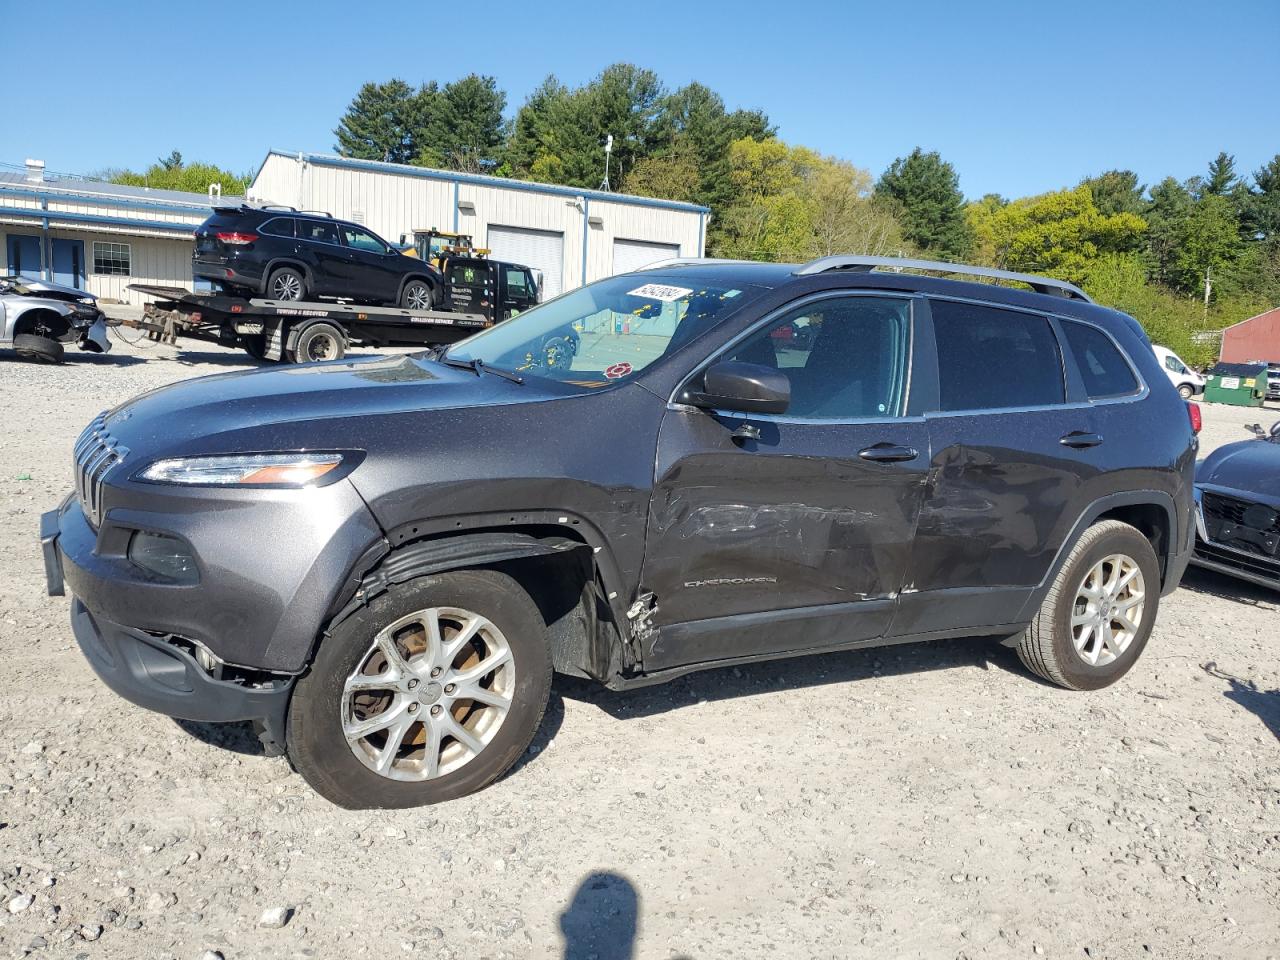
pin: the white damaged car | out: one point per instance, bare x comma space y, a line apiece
37, 317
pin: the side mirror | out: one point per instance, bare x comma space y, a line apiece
744, 387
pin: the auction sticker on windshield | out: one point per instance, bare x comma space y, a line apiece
660, 291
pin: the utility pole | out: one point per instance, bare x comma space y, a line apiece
608, 150
1208, 286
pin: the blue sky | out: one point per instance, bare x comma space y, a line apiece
1020, 98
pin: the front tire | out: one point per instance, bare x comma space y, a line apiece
1098, 615
418, 295
1185, 391
31, 346
430, 692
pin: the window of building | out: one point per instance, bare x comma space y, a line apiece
846, 357
1105, 371
992, 359
112, 259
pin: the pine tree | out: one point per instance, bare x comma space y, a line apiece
924, 192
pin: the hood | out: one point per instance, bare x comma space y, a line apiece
56, 291
1251, 466
190, 416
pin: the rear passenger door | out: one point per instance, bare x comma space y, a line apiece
324, 257
1014, 445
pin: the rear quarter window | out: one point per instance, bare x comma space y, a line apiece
278, 227
993, 359
1103, 368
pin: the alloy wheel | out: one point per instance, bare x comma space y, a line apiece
1108, 609
429, 695
286, 286
418, 296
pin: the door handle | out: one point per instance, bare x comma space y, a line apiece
887, 453
1079, 439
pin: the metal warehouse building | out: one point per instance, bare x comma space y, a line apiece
104, 236
97, 236
573, 236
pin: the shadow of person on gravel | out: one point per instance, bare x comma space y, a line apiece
725, 683
602, 919
1265, 704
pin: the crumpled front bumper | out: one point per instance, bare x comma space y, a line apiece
94, 337
162, 672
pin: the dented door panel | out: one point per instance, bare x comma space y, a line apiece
793, 520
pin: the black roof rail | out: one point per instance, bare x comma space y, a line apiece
1057, 288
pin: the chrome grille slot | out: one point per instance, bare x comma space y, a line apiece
96, 452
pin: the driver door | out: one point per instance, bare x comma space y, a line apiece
800, 539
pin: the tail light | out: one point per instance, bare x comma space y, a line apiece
1193, 411
237, 239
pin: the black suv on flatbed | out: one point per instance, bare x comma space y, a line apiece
383, 562
284, 254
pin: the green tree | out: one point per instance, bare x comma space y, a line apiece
1116, 191
1166, 214
171, 173
1222, 180
559, 134
1207, 241
1261, 221
1060, 233
925, 192
387, 121
465, 130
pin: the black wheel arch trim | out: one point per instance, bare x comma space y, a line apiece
430, 281
274, 265
437, 545
1127, 498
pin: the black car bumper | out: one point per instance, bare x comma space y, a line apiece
163, 672
158, 674
1249, 565
226, 272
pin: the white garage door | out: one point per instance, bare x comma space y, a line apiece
631, 255
540, 249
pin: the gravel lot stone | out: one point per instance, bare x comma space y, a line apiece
922, 801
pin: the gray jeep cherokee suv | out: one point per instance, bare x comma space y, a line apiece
382, 561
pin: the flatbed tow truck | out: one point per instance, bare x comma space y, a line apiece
294, 331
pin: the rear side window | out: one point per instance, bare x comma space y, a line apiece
1105, 371
992, 359
278, 227
317, 231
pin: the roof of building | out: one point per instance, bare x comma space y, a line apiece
1274, 312
453, 176
100, 191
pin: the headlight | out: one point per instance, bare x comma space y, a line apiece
249, 470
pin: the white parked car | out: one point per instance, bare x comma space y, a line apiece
1188, 382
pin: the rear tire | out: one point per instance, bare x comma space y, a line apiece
341, 764
287, 284
1186, 391
1081, 638
318, 342
29, 346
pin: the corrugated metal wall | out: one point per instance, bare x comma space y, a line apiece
1257, 338
394, 204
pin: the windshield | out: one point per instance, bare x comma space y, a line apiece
604, 332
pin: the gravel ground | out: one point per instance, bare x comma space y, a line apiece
926, 801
